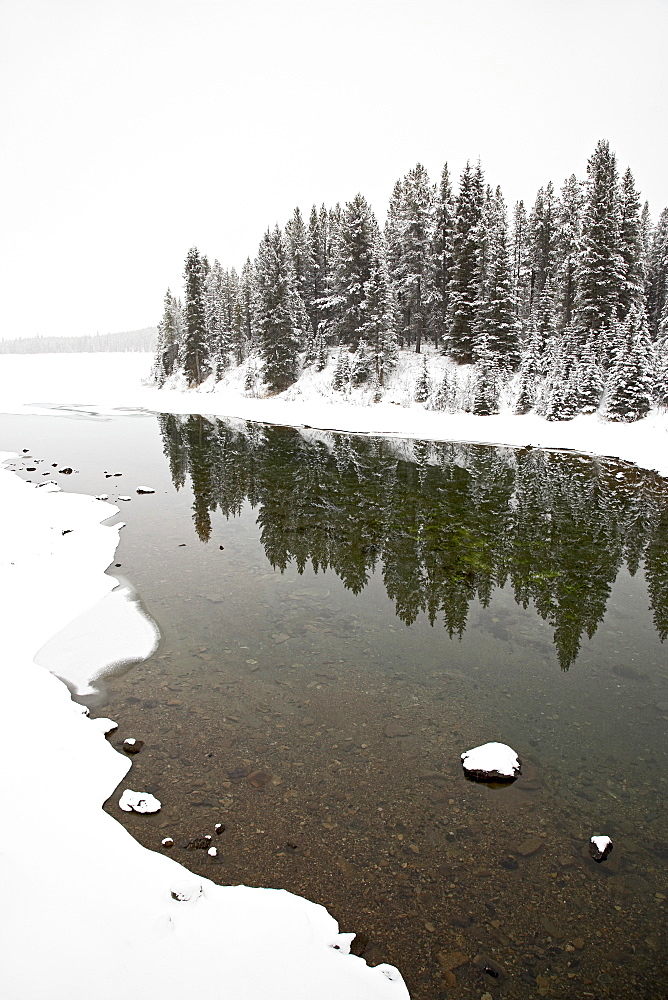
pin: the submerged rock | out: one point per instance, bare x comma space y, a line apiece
599, 848
491, 762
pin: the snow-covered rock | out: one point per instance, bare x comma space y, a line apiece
599, 848
145, 489
491, 762
139, 802
131, 745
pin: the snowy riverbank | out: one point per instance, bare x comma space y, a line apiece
33, 383
87, 910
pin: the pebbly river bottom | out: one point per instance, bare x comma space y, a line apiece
320, 716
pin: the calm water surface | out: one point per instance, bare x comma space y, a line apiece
341, 617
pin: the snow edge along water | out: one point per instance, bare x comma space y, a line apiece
100, 906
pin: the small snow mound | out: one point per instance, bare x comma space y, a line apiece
102, 496
212, 852
105, 726
145, 489
139, 802
125, 498
188, 889
599, 848
491, 762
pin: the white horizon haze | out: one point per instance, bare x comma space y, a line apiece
134, 130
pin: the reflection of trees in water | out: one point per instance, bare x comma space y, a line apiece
445, 523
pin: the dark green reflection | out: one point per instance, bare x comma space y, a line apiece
444, 522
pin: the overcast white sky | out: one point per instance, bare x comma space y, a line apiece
133, 129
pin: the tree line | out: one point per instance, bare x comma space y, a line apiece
564, 310
131, 340
444, 523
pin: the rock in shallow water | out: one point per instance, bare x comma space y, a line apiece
140, 802
599, 848
491, 762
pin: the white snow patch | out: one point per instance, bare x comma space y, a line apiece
105, 726
492, 760
113, 632
139, 802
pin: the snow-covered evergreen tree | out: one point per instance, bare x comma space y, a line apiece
194, 359
542, 240
440, 261
354, 258
487, 382
341, 376
466, 266
280, 312
521, 264
567, 250
408, 236
631, 376
495, 323
423, 384
532, 371
379, 324
631, 240
170, 335
657, 276
601, 268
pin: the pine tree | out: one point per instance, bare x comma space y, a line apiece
341, 377
495, 324
243, 341
586, 379
661, 381
362, 364
631, 376
317, 266
631, 240
558, 399
567, 250
521, 264
445, 397
466, 270
279, 312
409, 235
297, 240
532, 371
216, 325
487, 383
194, 360
542, 240
601, 269
657, 276
423, 384
440, 260
378, 327
170, 335
355, 256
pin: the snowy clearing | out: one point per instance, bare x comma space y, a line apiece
97, 911
105, 382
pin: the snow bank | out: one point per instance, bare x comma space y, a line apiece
33, 383
87, 910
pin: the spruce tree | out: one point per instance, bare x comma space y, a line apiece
341, 376
601, 269
466, 266
631, 377
409, 236
532, 371
379, 323
521, 264
354, 257
487, 383
423, 384
495, 324
657, 276
631, 239
195, 360
567, 249
279, 310
170, 335
542, 240
440, 260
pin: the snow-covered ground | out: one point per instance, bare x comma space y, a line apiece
31, 383
86, 910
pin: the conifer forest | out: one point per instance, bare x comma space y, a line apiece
561, 310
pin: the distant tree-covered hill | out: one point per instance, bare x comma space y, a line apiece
130, 340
